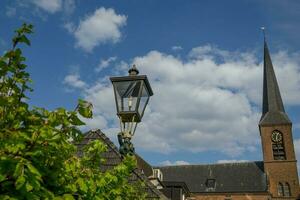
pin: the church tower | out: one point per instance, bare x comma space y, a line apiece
275, 127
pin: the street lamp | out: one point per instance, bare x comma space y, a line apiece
132, 95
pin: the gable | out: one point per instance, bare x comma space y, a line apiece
113, 158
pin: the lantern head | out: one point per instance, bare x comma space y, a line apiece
132, 94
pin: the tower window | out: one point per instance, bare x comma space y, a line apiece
278, 151
277, 146
280, 189
286, 190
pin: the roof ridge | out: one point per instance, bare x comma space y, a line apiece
208, 164
228, 176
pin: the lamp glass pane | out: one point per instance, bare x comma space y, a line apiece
119, 101
128, 91
144, 100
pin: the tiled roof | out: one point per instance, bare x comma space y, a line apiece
113, 158
229, 177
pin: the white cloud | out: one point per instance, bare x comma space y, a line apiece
10, 11
297, 147
50, 6
70, 27
199, 96
69, 6
178, 162
296, 126
73, 81
98, 122
176, 48
297, 151
289, 80
100, 27
231, 161
209, 102
104, 63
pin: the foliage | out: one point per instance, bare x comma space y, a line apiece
37, 158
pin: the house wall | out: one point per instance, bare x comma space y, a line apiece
173, 193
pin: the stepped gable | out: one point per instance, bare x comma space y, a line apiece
113, 158
228, 177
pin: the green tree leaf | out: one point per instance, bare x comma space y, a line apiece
85, 108
19, 169
28, 187
76, 121
2, 177
83, 187
33, 170
24, 39
20, 182
68, 197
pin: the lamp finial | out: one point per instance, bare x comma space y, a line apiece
133, 70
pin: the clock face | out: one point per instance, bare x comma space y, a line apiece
276, 136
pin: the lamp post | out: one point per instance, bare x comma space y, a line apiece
132, 95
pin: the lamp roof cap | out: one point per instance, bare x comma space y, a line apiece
133, 71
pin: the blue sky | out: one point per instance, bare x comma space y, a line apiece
203, 59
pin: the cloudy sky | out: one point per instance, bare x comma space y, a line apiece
203, 59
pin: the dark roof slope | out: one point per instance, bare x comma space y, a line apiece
144, 165
273, 110
229, 177
113, 158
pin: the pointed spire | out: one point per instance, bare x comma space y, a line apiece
273, 110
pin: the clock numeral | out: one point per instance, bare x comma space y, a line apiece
276, 136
